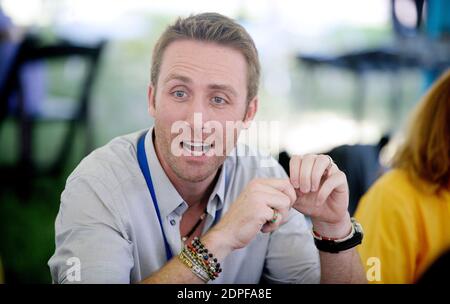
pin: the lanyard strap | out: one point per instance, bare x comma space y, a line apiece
143, 164
142, 159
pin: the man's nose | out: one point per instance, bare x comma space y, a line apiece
196, 116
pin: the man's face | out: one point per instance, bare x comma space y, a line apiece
201, 86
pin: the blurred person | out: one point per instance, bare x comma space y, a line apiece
406, 213
32, 74
8, 49
156, 206
8, 45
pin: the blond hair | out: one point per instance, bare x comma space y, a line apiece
216, 28
425, 153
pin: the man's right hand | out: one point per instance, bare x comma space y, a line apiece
252, 212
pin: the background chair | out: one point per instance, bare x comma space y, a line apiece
15, 106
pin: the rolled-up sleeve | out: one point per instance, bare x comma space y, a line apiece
90, 235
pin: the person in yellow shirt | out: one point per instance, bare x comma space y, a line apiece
406, 213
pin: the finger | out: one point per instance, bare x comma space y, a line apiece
272, 226
334, 168
266, 215
294, 170
260, 188
282, 185
279, 202
265, 191
305, 172
272, 198
336, 182
320, 166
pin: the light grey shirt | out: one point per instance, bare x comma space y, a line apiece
108, 223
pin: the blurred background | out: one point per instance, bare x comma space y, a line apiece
340, 76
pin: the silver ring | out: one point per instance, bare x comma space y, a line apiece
331, 162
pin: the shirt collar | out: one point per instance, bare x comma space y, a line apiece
167, 195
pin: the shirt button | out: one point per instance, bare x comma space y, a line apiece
172, 222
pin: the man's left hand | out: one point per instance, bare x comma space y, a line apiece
322, 193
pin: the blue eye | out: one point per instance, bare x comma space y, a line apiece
179, 94
218, 100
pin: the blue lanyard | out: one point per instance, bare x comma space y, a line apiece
143, 164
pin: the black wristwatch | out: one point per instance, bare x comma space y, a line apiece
335, 246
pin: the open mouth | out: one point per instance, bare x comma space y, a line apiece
196, 148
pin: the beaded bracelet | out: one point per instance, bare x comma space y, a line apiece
199, 262
211, 263
199, 259
195, 267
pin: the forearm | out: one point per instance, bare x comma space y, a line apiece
176, 272
344, 267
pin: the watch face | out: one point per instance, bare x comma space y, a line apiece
359, 229
357, 226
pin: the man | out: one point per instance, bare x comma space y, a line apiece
132, 209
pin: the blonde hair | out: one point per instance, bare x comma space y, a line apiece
425, 153
211, 27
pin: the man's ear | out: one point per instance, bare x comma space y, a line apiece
252, 107
151, 100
